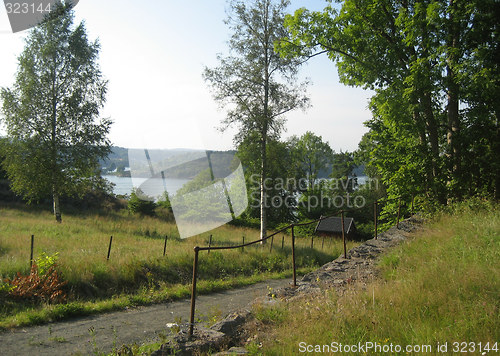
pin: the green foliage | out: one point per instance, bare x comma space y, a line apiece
434, 129
310, 155
278, 173
137, 205
53, 141
46, 262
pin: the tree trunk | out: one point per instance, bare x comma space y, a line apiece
57, 208
263, 197
453, 102
432, 130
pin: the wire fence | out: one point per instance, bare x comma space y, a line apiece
290, 227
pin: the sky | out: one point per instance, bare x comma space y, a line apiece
153, 54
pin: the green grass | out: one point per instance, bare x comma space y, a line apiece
441, 287
137, 273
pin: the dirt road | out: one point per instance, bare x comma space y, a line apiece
101, 333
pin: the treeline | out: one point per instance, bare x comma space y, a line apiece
433, 66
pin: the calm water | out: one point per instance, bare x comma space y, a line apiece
123, 185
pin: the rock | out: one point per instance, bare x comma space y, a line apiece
230, 324
203, 340
233, 351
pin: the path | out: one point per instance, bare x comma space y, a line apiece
135, 325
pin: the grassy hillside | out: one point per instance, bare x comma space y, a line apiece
136, 272
441, 287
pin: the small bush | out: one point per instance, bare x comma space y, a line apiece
137, 205
38, 287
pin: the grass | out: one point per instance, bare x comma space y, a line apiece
441, 287
136, 273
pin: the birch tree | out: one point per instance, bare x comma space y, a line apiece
54, 136
255, 85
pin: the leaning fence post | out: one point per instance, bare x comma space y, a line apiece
31, 253
165, 246
293, 258
193, 290
399, 212
343, 232
209, 243
375, 216
109, 248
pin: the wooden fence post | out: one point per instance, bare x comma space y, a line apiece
109, 248
165, 246
293, 258
343, 232
272, 241
193, 290
375, 216
209, 242
282, 242
243, 247
31, 253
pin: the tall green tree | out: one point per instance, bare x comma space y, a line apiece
312, 155
256, 85
431, 65
55, 138
280, 185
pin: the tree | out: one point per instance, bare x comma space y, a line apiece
342, 170
431, 65
256, 85
312, 155
280, 185
54, 141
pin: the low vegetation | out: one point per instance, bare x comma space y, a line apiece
136, 272
441, 287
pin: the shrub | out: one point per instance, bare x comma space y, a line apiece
137, 205
37, 287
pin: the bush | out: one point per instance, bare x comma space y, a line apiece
41, 285
137, 205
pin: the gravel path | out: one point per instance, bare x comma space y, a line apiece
102, 332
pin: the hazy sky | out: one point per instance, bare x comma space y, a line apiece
153, 56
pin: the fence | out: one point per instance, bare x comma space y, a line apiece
291, 227
197, 249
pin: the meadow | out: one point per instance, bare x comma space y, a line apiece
439, 288
136, 273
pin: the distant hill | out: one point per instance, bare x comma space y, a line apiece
174, 163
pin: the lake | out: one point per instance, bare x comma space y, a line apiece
123, 185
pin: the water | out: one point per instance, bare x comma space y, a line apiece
123, 185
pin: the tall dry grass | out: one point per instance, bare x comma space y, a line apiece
136, 261
441, 287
